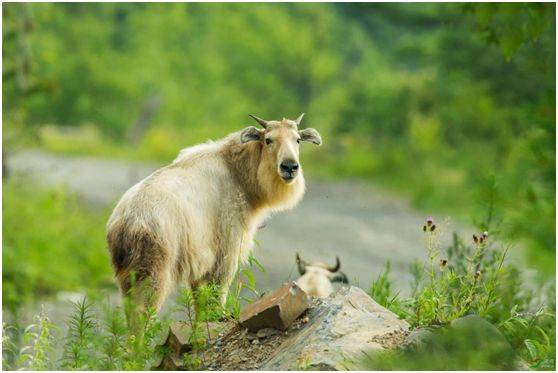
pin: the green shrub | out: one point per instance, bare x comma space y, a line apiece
468, 279
51, 243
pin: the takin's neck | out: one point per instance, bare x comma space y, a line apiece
263, 191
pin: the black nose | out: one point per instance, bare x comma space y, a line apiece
289, 167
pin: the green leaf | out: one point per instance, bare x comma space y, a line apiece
530, 345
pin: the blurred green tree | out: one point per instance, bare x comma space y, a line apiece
440, 97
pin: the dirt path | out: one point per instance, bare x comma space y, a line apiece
361, 224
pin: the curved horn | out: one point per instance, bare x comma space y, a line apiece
337, 265
262, 122
301, 265
299, 119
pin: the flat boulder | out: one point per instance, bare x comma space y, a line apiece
339, 331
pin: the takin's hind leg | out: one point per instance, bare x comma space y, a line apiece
144, 292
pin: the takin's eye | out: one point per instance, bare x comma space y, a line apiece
298, 140
268, 141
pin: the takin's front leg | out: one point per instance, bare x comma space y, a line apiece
229, 261
234, 243
225, 276
222, 277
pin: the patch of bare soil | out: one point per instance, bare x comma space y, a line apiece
242, 350
392, 339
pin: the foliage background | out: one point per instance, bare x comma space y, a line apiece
450, 104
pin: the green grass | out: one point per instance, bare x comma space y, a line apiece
51, 243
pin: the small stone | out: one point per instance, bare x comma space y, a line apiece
277, 309
177, 339
255, 342
306, 319
251, 336
235, 359
171, 362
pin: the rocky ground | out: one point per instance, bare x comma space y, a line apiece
332, 334
342, 332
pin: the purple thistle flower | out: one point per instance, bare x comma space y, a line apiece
429, 221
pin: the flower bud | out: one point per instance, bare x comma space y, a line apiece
429, 221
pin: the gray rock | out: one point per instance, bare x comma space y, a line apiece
340, 330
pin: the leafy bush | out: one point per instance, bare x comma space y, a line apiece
468, 279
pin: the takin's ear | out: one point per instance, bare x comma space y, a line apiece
310, 134
340, 277
250, 134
